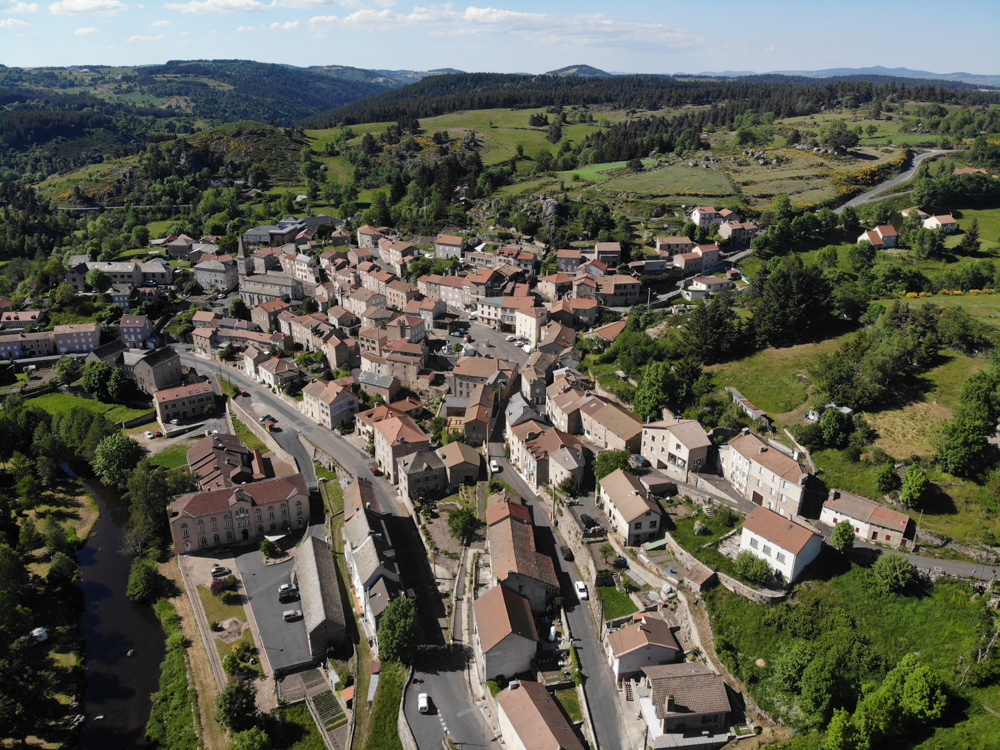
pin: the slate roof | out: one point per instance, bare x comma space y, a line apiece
316, 573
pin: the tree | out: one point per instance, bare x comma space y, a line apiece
236, 707
752, 568
924, 698
635, 165
13, 573
654, 392
836, 427
140, 236
98, 280
148, 495
55, 537
960, 445
970, 243
568, 486
268, 548
64, 295
886, 478
63, 571
143, 581
843, 537
914, 485
610, 461
828, 256
68, 369
238, 309
96, 380
398, 630
26, 691
712, 332
115, 458
120, 387
250, 739
606, 551
892, 573
462, 523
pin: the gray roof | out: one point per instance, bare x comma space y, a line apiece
518, 410
371, 556
316, 573
158, 356
379, 381
380, 594
109, 352
421, 461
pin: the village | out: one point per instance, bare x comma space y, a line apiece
463, 395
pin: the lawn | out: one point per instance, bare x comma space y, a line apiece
216, 611
172, 458
773, 379
616, 604
382, 733
942, 626
296, 730
569, 699
58, 403
683, 531
246, 437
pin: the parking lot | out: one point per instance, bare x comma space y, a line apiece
284, 643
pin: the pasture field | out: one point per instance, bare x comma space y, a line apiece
57, 403
673, 180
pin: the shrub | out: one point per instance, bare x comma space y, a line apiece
752, 569
893, 573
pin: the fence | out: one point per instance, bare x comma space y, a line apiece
250, 420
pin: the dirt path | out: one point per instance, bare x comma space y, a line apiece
201, 670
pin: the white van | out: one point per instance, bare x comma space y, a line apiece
423, 703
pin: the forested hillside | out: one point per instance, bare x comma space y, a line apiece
786, 97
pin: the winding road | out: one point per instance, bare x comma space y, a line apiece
901, 177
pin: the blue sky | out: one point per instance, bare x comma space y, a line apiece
645, 36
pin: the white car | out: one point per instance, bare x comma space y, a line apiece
423, 703
526, 348
512, 338
494, 466
581, 591
148, 435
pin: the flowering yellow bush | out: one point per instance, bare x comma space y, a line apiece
912, 295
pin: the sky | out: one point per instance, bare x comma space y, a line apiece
511, 36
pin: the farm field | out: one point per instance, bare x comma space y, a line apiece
673, 180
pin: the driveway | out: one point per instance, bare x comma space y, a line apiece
441, 673
284, 643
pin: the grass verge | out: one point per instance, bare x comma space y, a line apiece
172, 458
382, 733
216, 610
246, 437
569, 699
296, 731
172, 720
616, 604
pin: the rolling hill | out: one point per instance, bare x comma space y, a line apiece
584, 71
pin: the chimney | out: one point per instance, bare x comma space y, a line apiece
669, 700
762, 449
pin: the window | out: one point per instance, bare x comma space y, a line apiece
271, 515
753, 543
760, 483
780, 557
767, 550
215, 527
185, 534
858, 531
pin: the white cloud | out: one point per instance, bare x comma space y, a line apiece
217, 6
86, 30
13, 23
15, 6
160, 23
76, 7
137, 38
595, 30
287, 26
321, 3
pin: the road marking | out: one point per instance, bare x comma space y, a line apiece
467, 711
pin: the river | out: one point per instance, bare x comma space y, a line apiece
118, 685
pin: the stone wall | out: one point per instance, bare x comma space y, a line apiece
250, 420
141, 419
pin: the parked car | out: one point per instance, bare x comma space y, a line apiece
375, 470
494, 466
567, 553
265, 418
291, 615
218, 571
512, 338
148, 435
581, 591
157, 434
175, 421
288, 592
244, 393
423, 703
222, 550
587, 521
526, 348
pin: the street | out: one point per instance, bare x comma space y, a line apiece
292, 422
901, 177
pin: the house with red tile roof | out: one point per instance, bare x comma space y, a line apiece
505, 635
788, 547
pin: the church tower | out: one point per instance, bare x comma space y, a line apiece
244, 265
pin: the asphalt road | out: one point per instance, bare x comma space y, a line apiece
292, 422
441, 674
901, 177
600, 684
286, 643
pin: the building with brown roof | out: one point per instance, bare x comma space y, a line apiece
473, 371
788, 547
610, 331
462, 462
683, 705
448, 246
360, 494
568, 259
678, 446
220, 460
648, 641
872, 522
700, 578
505, 635
230, 515
530, 719
556, 339
518, 565
764, 473
277, 372
610, 426
395, 437
329, 403
184, 402
633, 516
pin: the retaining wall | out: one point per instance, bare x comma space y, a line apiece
141, 419
250, 420
406, 737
